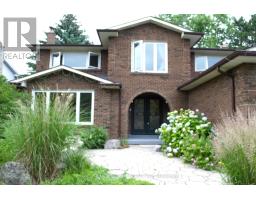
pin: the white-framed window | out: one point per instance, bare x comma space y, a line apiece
149, 57
77, 60
56, 59
204, 62
94, 60
82, 103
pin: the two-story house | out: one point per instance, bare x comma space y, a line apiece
139, 72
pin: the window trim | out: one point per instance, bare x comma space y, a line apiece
88, 60
78, 92
143, 68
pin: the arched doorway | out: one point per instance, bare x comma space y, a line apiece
147, 112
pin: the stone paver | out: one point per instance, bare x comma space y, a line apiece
143, 162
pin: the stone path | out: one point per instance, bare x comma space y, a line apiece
143, 162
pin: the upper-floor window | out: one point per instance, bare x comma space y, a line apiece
149, 57
203, 62
79, 60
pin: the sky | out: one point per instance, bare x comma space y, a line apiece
99, 14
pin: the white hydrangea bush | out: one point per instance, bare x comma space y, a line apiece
188, 135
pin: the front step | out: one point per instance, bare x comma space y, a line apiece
144, 140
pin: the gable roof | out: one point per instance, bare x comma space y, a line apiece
231, 61
149, 19
59, 68
194, 37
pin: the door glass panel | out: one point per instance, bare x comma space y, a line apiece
139, 114
154, 114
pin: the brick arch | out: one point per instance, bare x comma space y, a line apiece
147, 91
127, 107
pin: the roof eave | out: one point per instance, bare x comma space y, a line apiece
214, 70
194, 37
58, 68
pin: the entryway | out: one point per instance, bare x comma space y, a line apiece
147, 112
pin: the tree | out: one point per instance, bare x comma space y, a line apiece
32, 62
244, 32
68, 31
215, 27
8, 100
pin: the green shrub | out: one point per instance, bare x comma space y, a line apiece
188, 135
235, 146
39, 136
94, 175
8, 100
7, 151
94, 137
75, 162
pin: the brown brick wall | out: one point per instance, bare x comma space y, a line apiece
133, 84
212, 97
105, 100
43, 62
246, 87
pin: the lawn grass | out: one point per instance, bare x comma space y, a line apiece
94, 175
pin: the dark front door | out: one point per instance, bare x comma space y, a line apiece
147, 114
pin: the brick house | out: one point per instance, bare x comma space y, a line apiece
139, 72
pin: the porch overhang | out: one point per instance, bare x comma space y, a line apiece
23, 81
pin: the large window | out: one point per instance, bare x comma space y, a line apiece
149, 57
82, 103
79, 60
203, 62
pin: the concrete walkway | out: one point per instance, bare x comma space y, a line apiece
143, 162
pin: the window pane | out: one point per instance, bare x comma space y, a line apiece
64, 98
75, 59
94, 60
213, 60
149, 56
200, 63
85, 107
40, 99
161, 57
137, 56
56, 59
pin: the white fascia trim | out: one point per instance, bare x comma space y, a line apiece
153, 20
54, 69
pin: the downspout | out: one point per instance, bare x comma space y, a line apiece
119, 114
232, 76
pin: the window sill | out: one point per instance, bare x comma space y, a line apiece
83, 123
150, 73
86, 68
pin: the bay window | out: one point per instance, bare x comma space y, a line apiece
149, 57
81, 102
